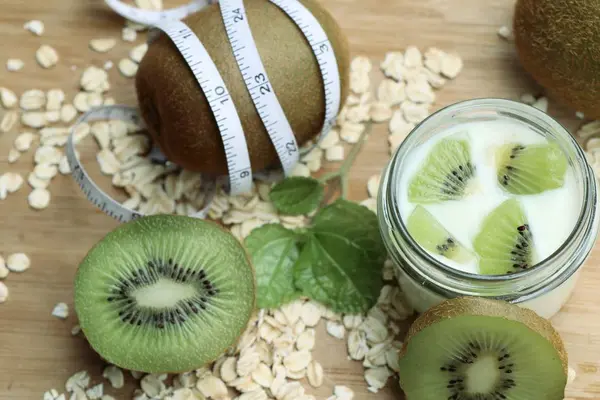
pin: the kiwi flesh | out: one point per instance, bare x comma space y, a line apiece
530, 169
482, 349
164, 293
558, 44
175, 109
505, 243
429, 233
446, 173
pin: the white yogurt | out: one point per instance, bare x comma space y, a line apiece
552, 215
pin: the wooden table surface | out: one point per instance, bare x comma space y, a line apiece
37, 351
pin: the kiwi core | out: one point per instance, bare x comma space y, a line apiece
163, 293
482, 376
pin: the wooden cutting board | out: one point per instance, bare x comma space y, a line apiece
37, 351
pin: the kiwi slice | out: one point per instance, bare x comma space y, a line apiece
505, 243
164, 293
445, 175
530, 169
429, 233
480, 349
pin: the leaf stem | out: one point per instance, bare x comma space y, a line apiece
342, 172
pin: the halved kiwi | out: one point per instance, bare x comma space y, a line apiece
445, 174
505, 243
530, 169
164, 293
481, 349
429, 233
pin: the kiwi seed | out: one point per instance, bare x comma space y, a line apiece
178, 115
164, 293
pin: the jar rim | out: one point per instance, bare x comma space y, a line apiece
496, 105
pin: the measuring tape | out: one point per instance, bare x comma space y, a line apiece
240, 176
96, 195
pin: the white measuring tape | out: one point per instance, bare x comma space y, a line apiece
211, 83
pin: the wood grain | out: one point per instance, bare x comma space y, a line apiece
37, 351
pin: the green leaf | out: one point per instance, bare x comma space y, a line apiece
274, 252
340, 264
297, 195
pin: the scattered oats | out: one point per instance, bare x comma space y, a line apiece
395, 141
258, 394
80, 101
128, 34
377, 377
579, 115
359, 82
335, 153
297, 375
127, 67
109, 101
36, 182
108, 66
216, 368
292, 311
102, 45
297, 360
9, 120
301, 170
314, 165
61, 310
34, 26
94, 79
248, 362
352, 321
138, 394
138, 52
14, 64
572, 375
151, 385
18, 262
244, 384
505, 33
95, 392
45, 171
434, 79
413, 57
8, 98
39, 198
593, 143
46, 56
373, 185
48, 396
34, 119
392, 359
68, 112
361, 64
336, 329
47, 155
263, 375
358, 113
380, 112
330, 140
433, 60
13, 155
589, 129
290, 391
357, 344
109, 164
32, 100
420, 92
101, 132
187, 380
343, 392
414, 113
52, 116
228, 371
527, 98
109, 397
399, 124
3, 292
391, 92
541, 104
314, 373
12, 181
452, 64
393, 65
376, 332
4, 271
311, 314
79, 380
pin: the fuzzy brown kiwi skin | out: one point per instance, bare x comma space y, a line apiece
558, 44
175, 109
239, 334
462, 306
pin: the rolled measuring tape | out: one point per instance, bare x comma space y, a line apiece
240, 174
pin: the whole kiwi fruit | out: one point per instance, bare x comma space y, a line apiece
165, 294
178, 116
558, 44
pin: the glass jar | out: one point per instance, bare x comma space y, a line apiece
544, 287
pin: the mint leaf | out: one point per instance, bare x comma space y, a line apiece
297, 195
340, 263
274, 251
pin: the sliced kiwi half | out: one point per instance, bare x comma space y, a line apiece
530, 169
430, 234
505, 243
446, 173
164, 293
480, 349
